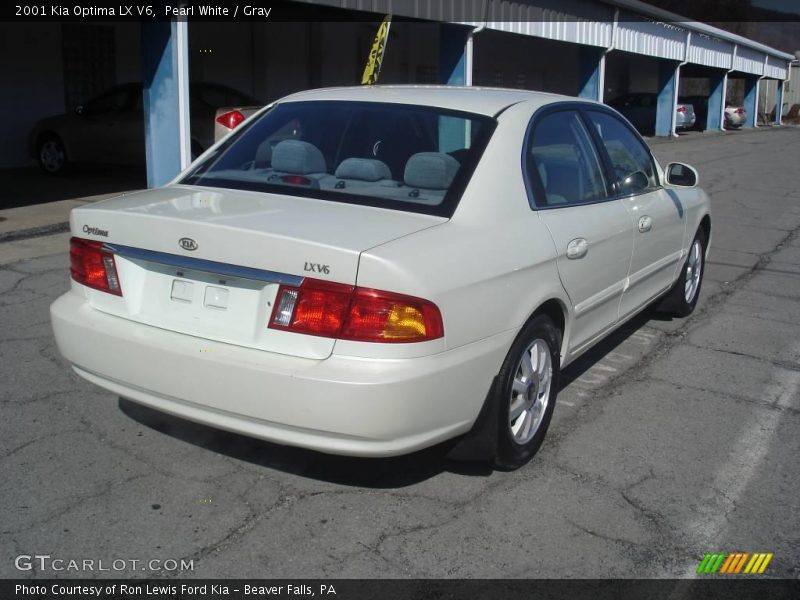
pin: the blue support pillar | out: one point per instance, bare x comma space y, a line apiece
591, 69
751, 100
667, 92
716, 100
166, 99
779, 102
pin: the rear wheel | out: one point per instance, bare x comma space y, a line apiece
52, 155
527, 392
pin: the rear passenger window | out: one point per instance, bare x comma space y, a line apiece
391, 155
563, 156
630, 158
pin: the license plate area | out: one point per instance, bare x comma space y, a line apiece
209, 305
215, 306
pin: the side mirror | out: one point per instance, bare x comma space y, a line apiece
79, 109
635, 182
681, 175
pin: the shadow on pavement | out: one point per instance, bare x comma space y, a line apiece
31, 185
608, 344
380, 473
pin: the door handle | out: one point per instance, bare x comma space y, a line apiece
645, 224
577, 248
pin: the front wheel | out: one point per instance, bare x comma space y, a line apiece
526, 396
52, 155
682, 299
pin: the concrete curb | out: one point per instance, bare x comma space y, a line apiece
24, 234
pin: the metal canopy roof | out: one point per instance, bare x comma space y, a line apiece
626, 25
664, 15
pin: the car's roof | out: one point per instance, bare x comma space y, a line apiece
480, 100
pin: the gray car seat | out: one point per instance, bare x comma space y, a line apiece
295, 159
427, 177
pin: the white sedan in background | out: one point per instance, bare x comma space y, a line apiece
370, 271
735, 116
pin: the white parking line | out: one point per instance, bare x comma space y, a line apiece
731, 480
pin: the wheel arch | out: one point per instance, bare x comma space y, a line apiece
705, 227
556, 309
50, 133
480, 443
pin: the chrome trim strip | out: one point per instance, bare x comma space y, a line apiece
199, 264
610, 293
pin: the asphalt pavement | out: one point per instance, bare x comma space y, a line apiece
672, 439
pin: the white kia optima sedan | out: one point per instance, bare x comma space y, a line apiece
369, 271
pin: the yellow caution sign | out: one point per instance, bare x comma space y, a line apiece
375, 59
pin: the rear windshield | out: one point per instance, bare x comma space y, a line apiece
396, 156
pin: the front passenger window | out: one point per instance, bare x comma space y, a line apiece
633, 166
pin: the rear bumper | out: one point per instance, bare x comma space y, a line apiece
684, 122
340, 405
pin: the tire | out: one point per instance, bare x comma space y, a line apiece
52, 155
682, 298
531, 391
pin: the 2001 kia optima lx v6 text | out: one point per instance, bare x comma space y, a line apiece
370, 271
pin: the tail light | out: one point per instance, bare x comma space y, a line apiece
681, 109
231, 119
739, 111
353, 313
93, 266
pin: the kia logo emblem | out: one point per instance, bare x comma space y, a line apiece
187, 244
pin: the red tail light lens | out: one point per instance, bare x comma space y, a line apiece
681, 109
341, 311
231, 119
315, 308
739, 111
93, 266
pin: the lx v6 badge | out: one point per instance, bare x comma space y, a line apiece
317, 268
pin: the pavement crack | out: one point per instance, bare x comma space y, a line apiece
732, 396
46, 436
616, 540
783, 364
78, 501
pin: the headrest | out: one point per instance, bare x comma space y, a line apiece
298, 158
430, 170
364, 169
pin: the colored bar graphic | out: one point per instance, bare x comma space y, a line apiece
740, 564
764, 564
703, 563
727, 564
717, 563
754, 562
730, 564
733, 563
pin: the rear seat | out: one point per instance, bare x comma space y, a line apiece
427, 177
360, 175
297, 158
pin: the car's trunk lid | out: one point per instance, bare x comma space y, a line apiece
688, 109
209, 263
